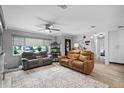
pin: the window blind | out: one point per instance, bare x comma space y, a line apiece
33, 42
47, 42
18, 40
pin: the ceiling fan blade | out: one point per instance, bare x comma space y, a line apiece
57, 23
40, 26
62, 6
41, 29
55, 29
47, 21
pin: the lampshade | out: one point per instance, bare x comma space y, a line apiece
76, 45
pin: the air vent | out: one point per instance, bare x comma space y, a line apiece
93, 26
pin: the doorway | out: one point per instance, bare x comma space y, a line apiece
67, 46
98, 46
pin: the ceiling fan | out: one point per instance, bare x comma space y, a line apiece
49, 25
51, 28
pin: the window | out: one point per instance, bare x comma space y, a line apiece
18, 49
21, 44
18, 45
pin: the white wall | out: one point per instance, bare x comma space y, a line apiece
14, 61
106, 48
77, 38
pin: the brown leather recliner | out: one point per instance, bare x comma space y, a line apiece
82, 61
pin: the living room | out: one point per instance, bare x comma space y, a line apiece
81, 42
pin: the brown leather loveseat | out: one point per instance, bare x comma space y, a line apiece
82, 61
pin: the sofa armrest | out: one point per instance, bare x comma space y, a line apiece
49, 56
24, 63
24, 59
88, 66
61, 57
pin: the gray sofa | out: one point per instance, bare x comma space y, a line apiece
32, 60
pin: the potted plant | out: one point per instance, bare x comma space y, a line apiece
39, 48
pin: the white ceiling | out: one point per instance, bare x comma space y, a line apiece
74, 20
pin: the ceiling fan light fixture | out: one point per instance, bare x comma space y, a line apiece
120, 26
51, 26
101, 35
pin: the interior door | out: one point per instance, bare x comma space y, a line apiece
121, 46
113, 47
67, 46
116, 46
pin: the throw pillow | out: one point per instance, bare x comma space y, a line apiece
75, 56
69, 55
83, 58
72, 56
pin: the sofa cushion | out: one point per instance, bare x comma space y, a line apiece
77, 64
69, 55
82, 58
74, 51
89, 54
43, 54
73, 56
65, 59
28, 55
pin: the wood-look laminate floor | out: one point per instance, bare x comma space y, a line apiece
112, 74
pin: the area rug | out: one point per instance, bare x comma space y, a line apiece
54, 77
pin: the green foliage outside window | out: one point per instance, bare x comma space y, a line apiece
39, 48
18, 49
